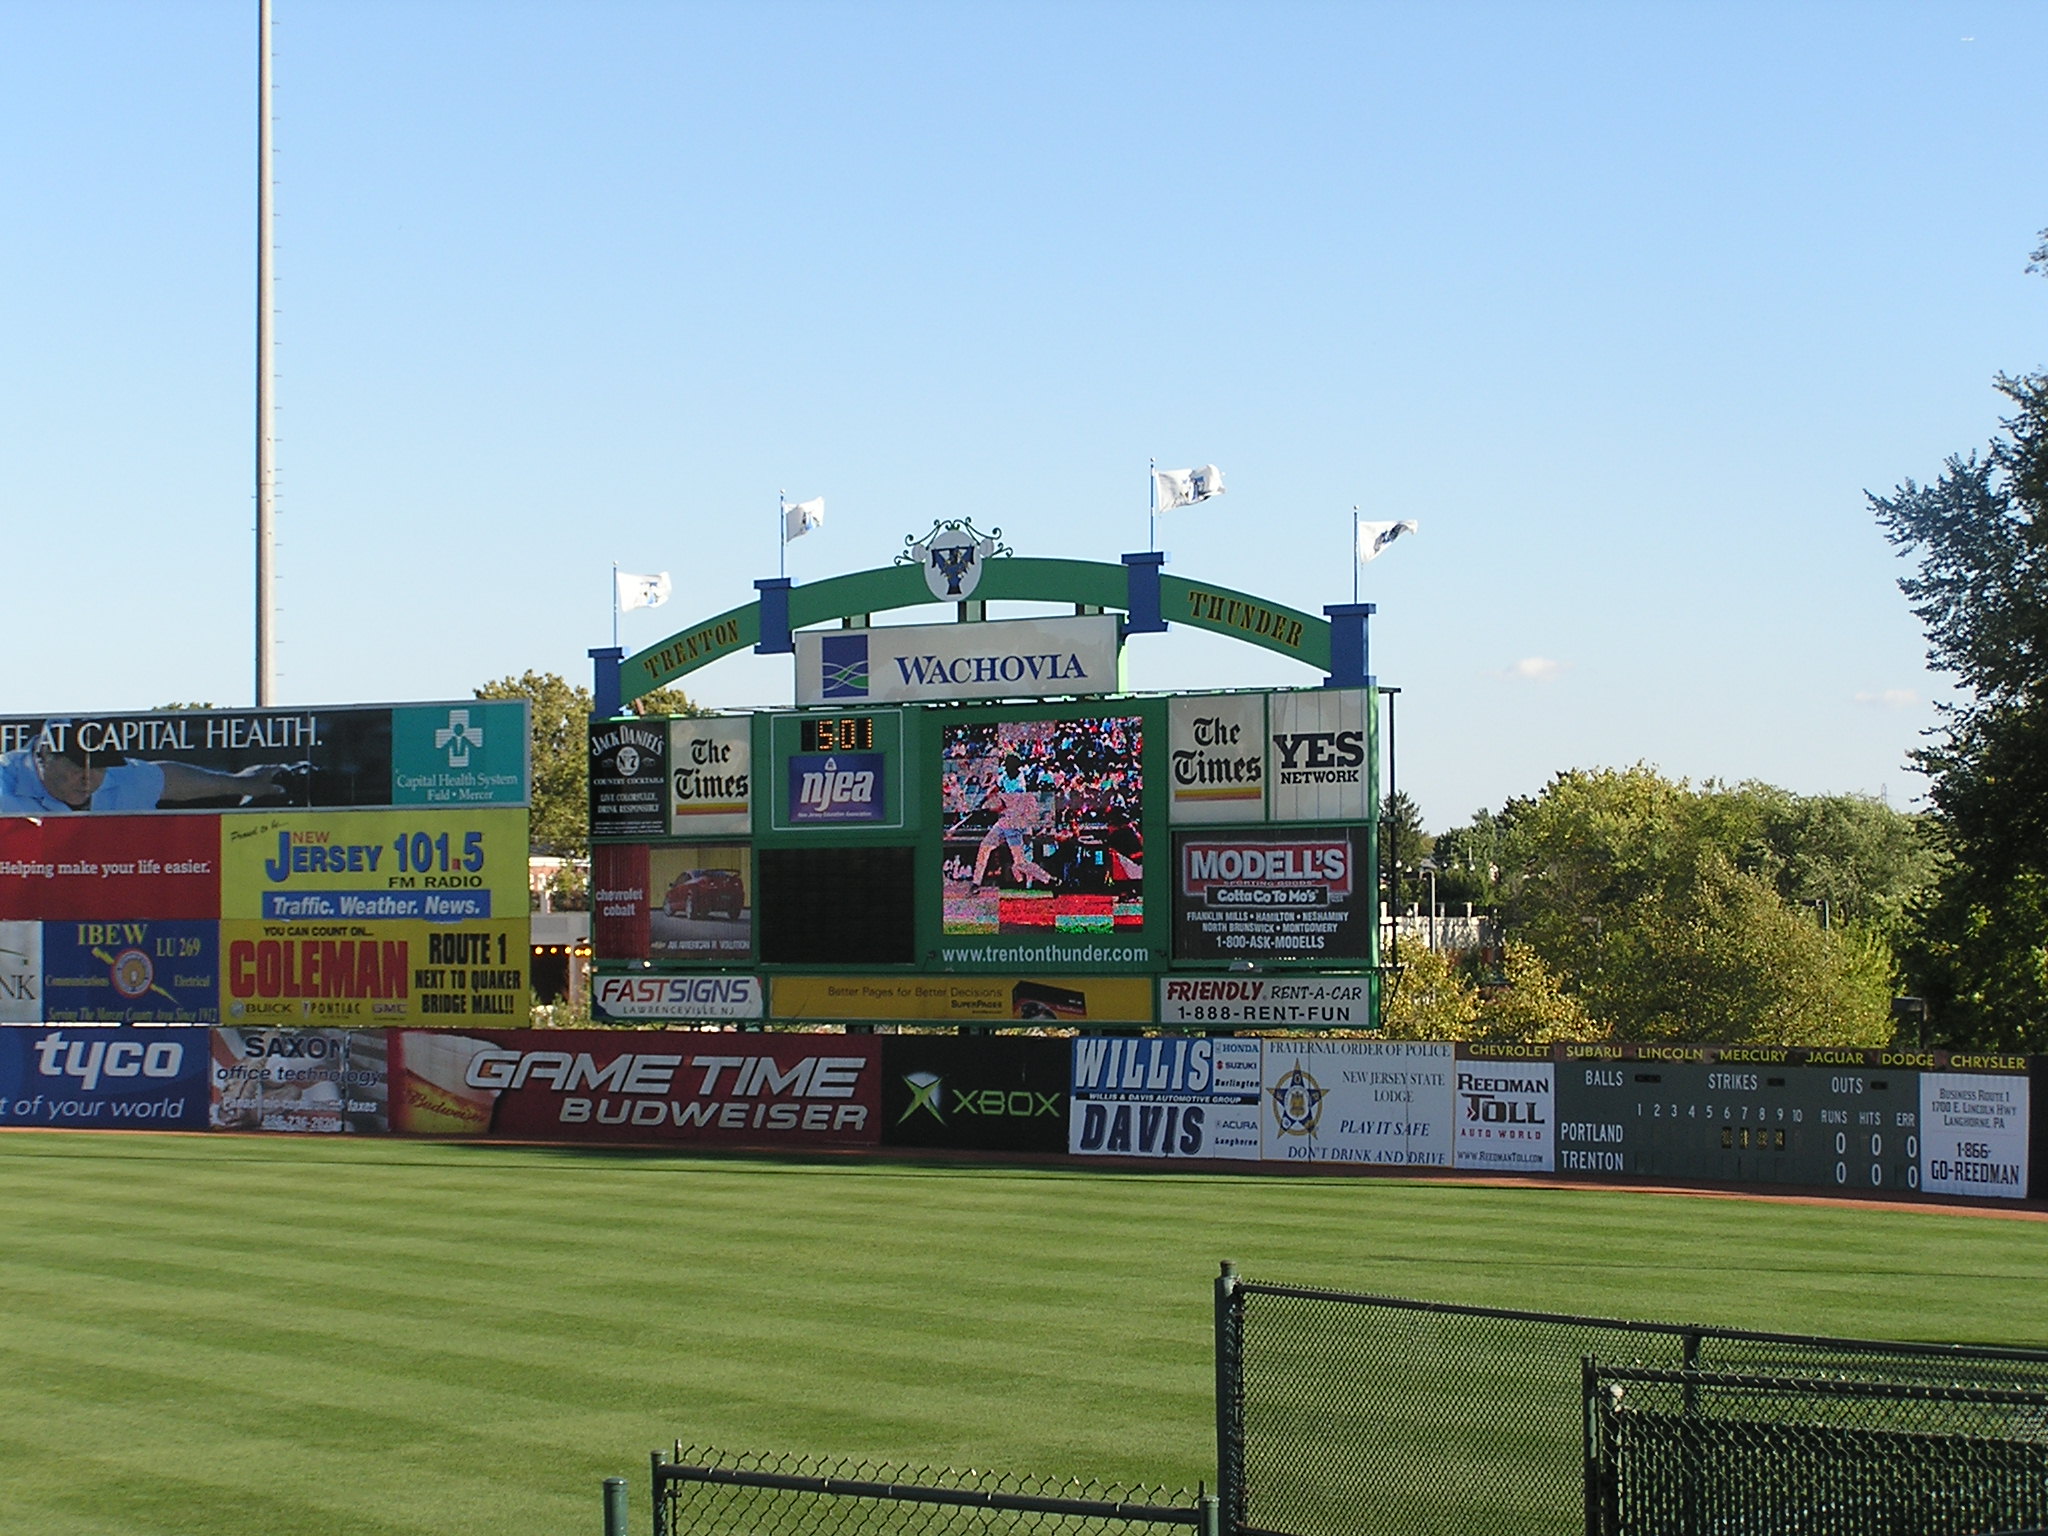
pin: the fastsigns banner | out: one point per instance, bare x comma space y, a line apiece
104, 1079
1164, 1098
1359, 1101
1271, 896
785, 1091
1001, 659
680, 999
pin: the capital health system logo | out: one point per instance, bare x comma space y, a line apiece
843, 662
458, 736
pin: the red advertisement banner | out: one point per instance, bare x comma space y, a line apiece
732, 1090
72, 868
619, 901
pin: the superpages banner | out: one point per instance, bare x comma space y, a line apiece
471, 752
598, 1085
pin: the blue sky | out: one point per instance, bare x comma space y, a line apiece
1627, 304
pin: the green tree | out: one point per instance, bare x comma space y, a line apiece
1403, 844
1427, 998
1530, 1004
1980, 535
561, 753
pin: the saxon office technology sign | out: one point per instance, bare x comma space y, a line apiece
1005, 659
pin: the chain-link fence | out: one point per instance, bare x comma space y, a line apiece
1353, 1415
1684, 1453
704, 1492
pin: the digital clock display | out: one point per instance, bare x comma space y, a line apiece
849, 733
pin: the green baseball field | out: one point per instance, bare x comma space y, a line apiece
244, 1336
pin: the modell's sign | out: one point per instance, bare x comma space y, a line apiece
1269, 896
1006, 659
595, 1085
681, 998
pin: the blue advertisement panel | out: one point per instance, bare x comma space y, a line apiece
104, 1078
164, 972
1154, 1097
845, 787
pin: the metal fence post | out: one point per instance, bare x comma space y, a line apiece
1229, 1400
615, 1506
1212, 1515
1588, 1389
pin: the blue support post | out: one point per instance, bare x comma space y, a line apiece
604, 680
1141, 593
1350, 650
775, 639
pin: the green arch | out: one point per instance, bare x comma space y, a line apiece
1201, 605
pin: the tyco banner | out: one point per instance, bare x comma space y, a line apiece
1164, 1098
965, 999
974, 1094
320, 1081
1271, 896
104, 1079
1359, 1101
355, 866
142, 972
599, 1085
468, 753
364, 974
118, 867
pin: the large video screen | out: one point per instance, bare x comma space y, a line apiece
1043, 826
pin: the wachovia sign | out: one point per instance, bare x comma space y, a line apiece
1001, 659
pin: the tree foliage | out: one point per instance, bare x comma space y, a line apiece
1980, 536
561, 752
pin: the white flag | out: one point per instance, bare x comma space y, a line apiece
1185, 487
641, 591
1374, 537
801, 517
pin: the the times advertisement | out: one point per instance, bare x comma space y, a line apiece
1359, 1101
711, 788
1164, 1098
98, 1078
1271, 896
605, 1086
1216, 758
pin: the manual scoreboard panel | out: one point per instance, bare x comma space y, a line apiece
1852, 1127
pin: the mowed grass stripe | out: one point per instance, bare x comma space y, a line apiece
243, 1335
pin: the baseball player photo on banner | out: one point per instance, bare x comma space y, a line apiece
1164, 1097
1358, 1101
1505, 1111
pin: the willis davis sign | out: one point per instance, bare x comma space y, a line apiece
1005, 659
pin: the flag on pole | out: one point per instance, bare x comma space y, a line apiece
641, 591
1374, 537
799, 518
1184, 487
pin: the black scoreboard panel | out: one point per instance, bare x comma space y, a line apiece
1850, 1127
836, 906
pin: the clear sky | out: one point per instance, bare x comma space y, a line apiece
1628, 304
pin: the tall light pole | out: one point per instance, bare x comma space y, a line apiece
266, 489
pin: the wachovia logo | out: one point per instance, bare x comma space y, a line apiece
843, 659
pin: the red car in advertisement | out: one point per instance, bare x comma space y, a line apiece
699, 893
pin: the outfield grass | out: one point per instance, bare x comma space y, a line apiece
243, 1336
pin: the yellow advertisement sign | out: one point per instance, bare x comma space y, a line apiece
424, 865
965, 999
359, 975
